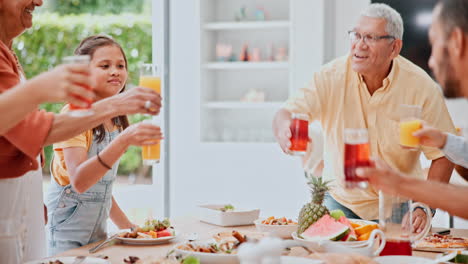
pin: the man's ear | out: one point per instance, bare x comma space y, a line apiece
396, 47
457, 42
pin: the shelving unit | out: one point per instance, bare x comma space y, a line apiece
254, 25
226, 116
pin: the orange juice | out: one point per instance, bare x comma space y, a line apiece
407, 128
151, 153
151, 82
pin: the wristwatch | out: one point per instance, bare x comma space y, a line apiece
433, 211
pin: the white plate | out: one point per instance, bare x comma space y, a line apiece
403, 260
209, 213
209, 258
366, 248
144, 241
70, 260
282, 231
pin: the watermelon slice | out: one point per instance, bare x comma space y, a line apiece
326, 228
351, 236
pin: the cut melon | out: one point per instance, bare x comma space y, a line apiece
326, 228
351, 236
337, 214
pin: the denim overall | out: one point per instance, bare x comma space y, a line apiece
77, 219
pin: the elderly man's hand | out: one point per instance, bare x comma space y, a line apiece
381, 176
283, 135
431, 137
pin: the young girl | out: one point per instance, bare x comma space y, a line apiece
84, 168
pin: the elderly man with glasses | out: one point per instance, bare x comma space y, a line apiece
365, 89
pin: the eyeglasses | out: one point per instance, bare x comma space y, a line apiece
368, 38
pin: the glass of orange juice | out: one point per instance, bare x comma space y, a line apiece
410, 122
150, 77
151, 154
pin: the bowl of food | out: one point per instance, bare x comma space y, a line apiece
280, 227
340, 234
227, 215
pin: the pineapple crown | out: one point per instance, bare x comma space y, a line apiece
318, 188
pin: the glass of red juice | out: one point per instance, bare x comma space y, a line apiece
396, 221
397, 247
299, 134
74, 109
356, 154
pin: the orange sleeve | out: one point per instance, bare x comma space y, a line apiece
8, 76
29, 135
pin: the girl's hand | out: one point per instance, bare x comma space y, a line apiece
142, 134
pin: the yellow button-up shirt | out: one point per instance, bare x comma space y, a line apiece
339, 98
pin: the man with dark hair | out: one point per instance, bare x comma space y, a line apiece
449, 62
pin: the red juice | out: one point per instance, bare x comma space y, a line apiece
356, 155
299, 136
88, 101
397, 247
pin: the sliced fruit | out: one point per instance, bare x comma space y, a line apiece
164, 233
364, 236
365, 229
326, 228
153, 234
191, 260
337, 214
355, 225
352, 234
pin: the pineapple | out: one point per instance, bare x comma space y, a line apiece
313, 211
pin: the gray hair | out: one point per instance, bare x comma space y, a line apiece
394, 25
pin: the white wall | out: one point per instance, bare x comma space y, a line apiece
347, 13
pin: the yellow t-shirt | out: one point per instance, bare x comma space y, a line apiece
58, 167
339, 98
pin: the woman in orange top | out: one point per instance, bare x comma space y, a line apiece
22, 236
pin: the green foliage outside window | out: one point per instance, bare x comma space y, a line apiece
102, 7
53, 37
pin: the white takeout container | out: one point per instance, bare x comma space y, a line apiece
209, 213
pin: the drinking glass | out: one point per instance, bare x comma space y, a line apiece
396, 221
410, 122
356, 154
74, 109
151, 154
150, 77
299, 134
